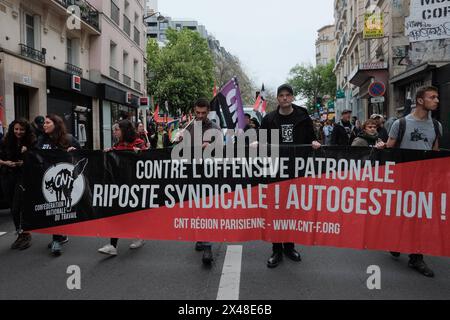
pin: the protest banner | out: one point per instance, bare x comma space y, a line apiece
394, 200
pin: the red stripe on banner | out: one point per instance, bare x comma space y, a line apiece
419, 226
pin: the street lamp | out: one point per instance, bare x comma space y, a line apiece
160, 17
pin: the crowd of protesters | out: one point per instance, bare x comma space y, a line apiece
293, 122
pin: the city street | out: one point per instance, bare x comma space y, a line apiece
171, 270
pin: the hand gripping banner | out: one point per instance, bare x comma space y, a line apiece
393, 200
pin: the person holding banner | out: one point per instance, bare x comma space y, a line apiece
127, 140
201, 111
418, 131
55, 137
369, 136
295, 128
18, 140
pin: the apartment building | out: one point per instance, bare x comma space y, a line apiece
157, 27
359, 61
79, 59
325, 45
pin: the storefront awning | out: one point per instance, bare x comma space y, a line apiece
365, 71
427, 66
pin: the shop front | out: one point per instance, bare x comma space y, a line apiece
407, 83
71, 97
116, 105
373, 94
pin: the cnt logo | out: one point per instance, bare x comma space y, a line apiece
64, 182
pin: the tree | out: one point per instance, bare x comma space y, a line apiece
228, 66
313, 83
180, 72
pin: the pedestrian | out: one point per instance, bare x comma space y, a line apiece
248, 119
18, 140
327, 131
418, 131
161, 139
254, 124
201, 111
295, 128
344, 131
38, 126
382, 132
142, 134
127, 140
369, 136
55, 136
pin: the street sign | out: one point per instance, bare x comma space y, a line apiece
373, 25
377, 89
76, 83
377, 100
143, 101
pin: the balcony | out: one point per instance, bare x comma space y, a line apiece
137, 86
88, 13
113, 73
127, 80
342, 46
32, 53
72, 69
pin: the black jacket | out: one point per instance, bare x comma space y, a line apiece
303, 126
340, 137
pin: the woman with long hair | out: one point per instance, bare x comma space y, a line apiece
142, 134
18, 140
127, 140
55, 137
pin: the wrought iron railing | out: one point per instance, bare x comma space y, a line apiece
137, 86
113, 73
88, 13
127, 80
32, 53
74, 69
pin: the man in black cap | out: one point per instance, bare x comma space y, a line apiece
295, 127
344, 131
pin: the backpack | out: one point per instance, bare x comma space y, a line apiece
402, 131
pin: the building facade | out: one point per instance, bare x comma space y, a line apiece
325, 45
412, 52
361, 61
55, 57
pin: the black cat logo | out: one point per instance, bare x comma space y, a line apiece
62, 183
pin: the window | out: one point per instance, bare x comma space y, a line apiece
115, 13
163, 25
126, 25
29, 31
137, 36
136, 70
69, 51
162, 37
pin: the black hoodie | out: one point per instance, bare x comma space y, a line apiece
303, 130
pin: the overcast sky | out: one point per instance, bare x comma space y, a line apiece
269, 36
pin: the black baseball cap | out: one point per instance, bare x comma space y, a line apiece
345, 111
285, 87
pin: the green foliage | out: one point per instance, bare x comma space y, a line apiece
182, 71
311, 83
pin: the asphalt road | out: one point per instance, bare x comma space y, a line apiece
173, 270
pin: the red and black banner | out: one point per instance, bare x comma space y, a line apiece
393, 200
